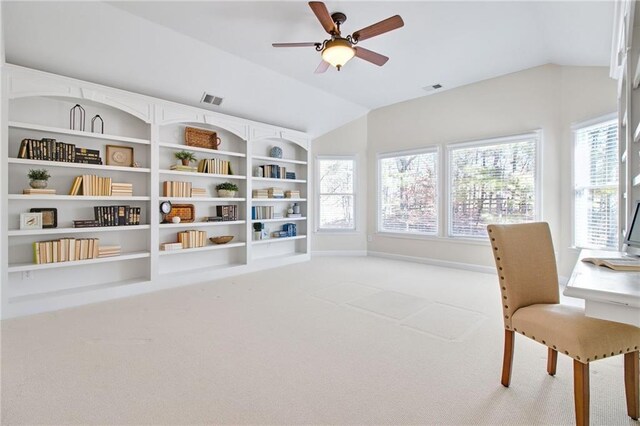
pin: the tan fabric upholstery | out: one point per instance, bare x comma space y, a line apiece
567, 330
526, 266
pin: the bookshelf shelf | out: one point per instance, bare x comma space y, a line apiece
206, 248
278, 160
22, 267
199, 224
263, 179
43, 163
37, 197
203, 199
278, 200
60, 131
179, 147
284, 219
204, 175
279, 240
53, 231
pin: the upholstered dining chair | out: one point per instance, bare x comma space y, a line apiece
528, 279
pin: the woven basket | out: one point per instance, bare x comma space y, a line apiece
186, 213
201, 138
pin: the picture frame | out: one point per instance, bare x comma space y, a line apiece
121, 156
30, 220
49, 216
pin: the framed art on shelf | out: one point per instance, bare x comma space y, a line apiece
49, 216
119, 156
30, 220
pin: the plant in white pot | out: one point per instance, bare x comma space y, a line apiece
185, 157
38, 178
227, 190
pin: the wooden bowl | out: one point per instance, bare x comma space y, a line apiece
221, 240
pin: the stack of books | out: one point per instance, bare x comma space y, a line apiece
35, 191
227, 213
65, 250
215, 166
87, 156
276, 193
88, 223
192, 239
170, 246
198, 192
181, 168
91, 185
176, 189
290, 175
121, 189
117, 215
108, 251
262, 212
294, 193
260, 193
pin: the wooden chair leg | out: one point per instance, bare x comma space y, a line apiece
552, 362
507, 360
632, 383
581, 392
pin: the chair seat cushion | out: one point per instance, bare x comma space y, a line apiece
569, 331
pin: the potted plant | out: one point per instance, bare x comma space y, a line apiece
38, 178
227, 190
186, 157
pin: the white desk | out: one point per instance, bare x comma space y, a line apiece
608, 294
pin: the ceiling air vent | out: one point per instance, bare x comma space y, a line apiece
211, 99
432, 88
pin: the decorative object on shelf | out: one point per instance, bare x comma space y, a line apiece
201, 138
185, 157
165, 209
49, 216
275, 152
38, 178
135, 164
93, 121
259, 232
258, 171
186, 213
119, 156
175, 219
30, 220
296, 208
290, 210
77, 113
224, 239
227, 190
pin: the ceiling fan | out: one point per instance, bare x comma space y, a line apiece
338, 50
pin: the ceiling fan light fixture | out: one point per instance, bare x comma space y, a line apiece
338, 52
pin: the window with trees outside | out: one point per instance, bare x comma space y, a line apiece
336, 195
492, 181
595, 178
408, 195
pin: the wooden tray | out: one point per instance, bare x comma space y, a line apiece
201, 138
186, 213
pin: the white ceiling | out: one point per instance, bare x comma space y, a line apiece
177, 50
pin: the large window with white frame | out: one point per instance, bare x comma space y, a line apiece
408, 192
595, 179
336, 193
493, 181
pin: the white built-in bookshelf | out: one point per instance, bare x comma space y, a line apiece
38, 106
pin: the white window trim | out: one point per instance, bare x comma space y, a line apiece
340, 231
392, 154
593, 122
537, 135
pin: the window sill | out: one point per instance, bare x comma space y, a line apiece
436, 238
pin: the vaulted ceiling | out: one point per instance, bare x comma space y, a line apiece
178, 50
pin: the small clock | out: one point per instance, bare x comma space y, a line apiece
165, 209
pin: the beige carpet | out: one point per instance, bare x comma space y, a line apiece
332, 341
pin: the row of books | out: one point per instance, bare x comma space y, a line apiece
65, 250
176, 189
93, 185
288, 230
215, 166
275, 193
227, 212
49, 149
264, 212
117, 215
192, 239
274, 171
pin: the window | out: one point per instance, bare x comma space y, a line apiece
493, 181
336, 196
595, 178
408, 195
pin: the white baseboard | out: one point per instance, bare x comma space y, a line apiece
344, 253
435, 262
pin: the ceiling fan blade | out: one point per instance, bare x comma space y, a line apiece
381, 27
370, 56
323, 16
322, 67
306, 44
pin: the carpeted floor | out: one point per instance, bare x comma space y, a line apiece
331, 341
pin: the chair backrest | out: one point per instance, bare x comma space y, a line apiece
526, 266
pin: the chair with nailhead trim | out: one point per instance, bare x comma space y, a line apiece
528, 278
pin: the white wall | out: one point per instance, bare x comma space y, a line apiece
548, 97
350, 139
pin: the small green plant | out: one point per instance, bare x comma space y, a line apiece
39, 174
185, 156
227, 186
